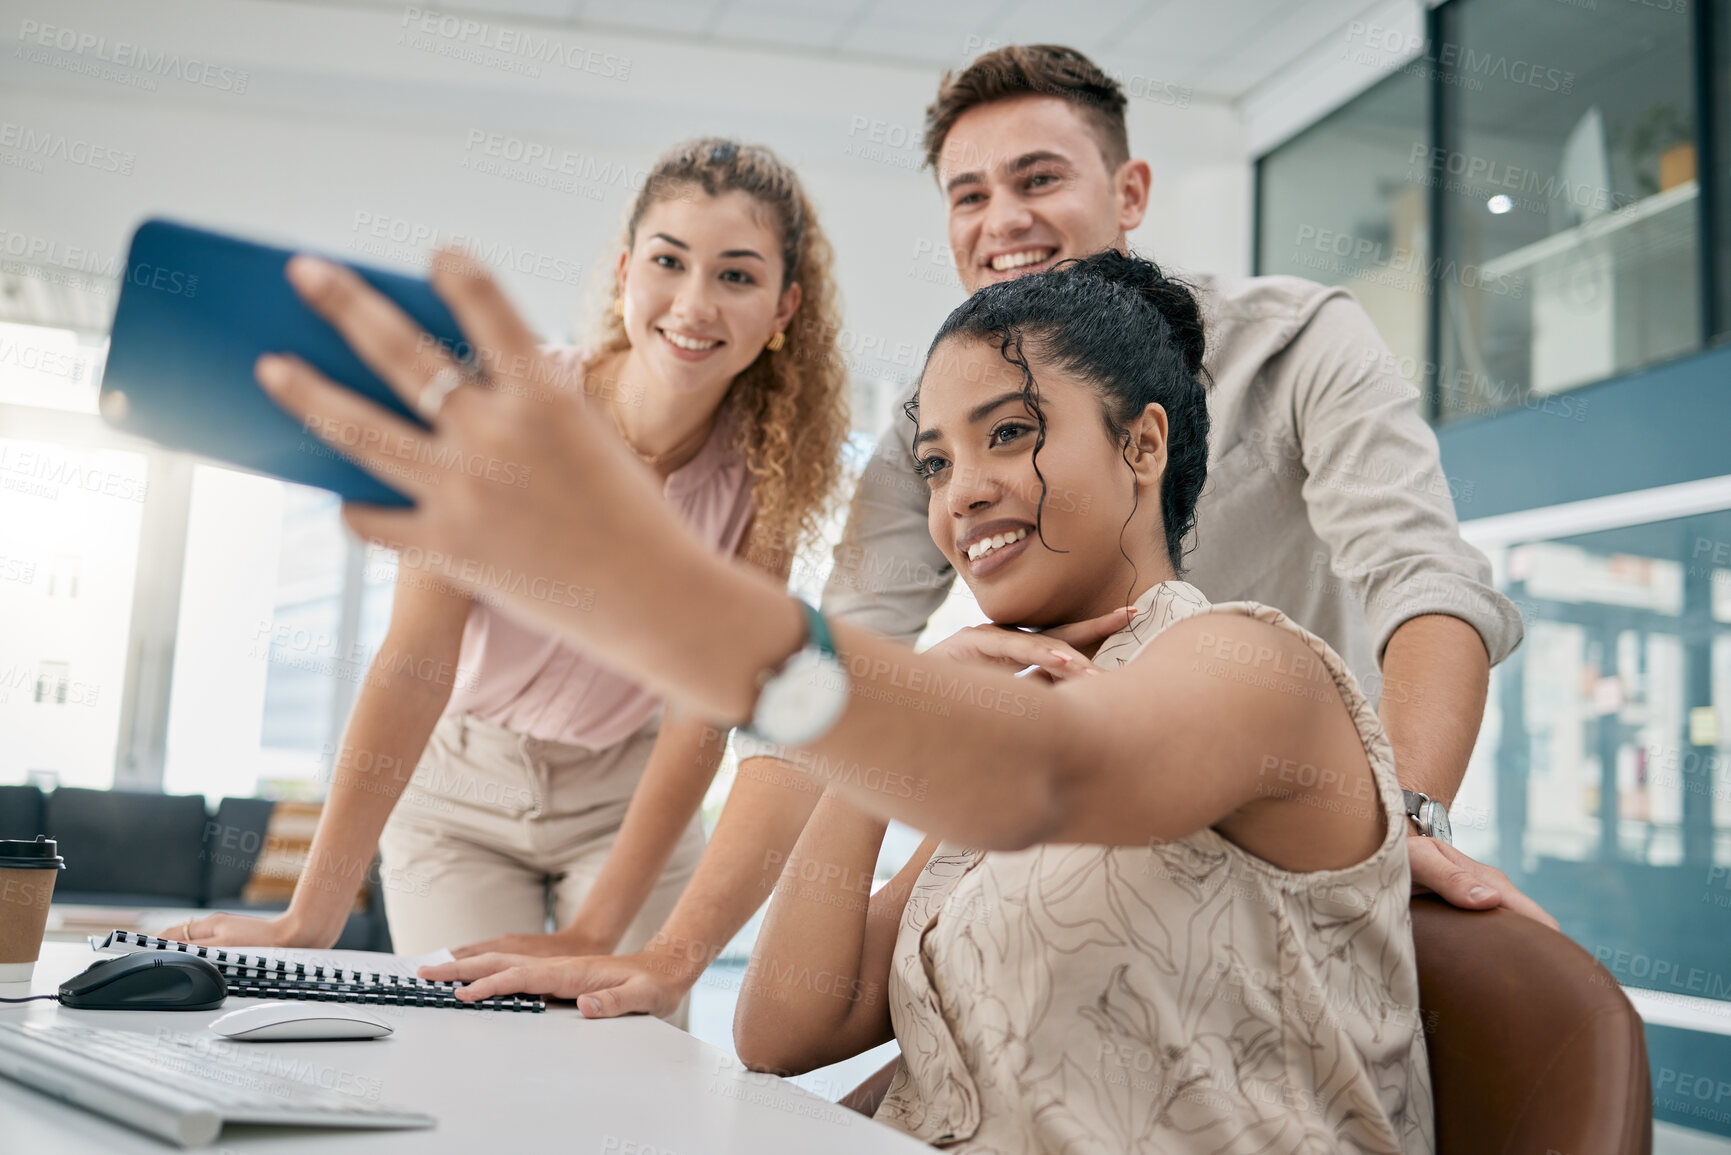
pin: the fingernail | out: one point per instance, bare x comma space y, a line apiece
309, 274
1062, 657
589, 1007
272, 372
1132, 610
1480, 894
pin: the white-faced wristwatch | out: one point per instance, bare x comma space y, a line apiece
799, 703
1432, 816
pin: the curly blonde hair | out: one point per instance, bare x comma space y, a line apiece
790, 407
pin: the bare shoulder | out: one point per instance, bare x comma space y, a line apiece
1245, 688
1285, 738
1199, 727
1232, 649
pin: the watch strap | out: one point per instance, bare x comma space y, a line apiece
817, 629
1414, 802
817, 638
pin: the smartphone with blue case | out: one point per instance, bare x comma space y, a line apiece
197, 310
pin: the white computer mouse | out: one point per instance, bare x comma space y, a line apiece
294, 1020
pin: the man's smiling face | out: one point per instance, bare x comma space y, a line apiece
1027, 186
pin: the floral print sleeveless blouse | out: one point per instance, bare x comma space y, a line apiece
1184, 998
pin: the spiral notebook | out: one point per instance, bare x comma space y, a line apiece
319, 976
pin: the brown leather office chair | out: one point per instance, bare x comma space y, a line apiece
1534, 1049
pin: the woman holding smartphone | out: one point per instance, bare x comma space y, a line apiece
1164, 900
548, 782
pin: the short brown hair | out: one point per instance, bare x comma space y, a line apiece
1040, 69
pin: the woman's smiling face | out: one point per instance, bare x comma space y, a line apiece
1096, 535
702, 287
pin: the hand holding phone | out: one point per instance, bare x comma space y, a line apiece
197, 310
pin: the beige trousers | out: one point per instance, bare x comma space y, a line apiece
501, 833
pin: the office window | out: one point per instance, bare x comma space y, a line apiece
222, 645
71, 519
307, 670
1345, 203
53, 682
267, 657
1602, 780
1570, 207
49, 368
378, 589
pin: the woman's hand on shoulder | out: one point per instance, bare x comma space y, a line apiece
1052, 651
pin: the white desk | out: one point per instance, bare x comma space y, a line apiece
495, 1080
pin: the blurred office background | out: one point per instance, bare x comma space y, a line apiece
1532, 198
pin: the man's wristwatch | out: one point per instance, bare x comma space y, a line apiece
1431, 816
798, 703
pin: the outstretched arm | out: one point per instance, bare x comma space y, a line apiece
767, 807
1107, 760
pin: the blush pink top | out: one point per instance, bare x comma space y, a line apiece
526, 681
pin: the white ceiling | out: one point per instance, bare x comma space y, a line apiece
1219, 49
1214, 52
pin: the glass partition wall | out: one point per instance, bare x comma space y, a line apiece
1346, 204
1535, 210
1602, 778
1523, 208
1569, 204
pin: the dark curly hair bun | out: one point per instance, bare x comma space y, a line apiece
1118, 321
1169, 297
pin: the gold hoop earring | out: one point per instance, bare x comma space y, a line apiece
619, 307
775, 343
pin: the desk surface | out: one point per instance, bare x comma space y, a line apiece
495, 1080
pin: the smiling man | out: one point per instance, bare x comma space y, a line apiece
1325, 497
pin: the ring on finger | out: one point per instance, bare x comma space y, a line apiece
433, 394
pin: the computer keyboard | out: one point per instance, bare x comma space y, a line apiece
184, 1087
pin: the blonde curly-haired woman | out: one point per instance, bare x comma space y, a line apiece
544, 784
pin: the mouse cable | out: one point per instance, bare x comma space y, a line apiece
33, 998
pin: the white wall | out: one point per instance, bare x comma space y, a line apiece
1361, 53
343, 122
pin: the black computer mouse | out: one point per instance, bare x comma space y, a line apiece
146, 981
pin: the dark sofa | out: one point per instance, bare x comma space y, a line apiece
143, 849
